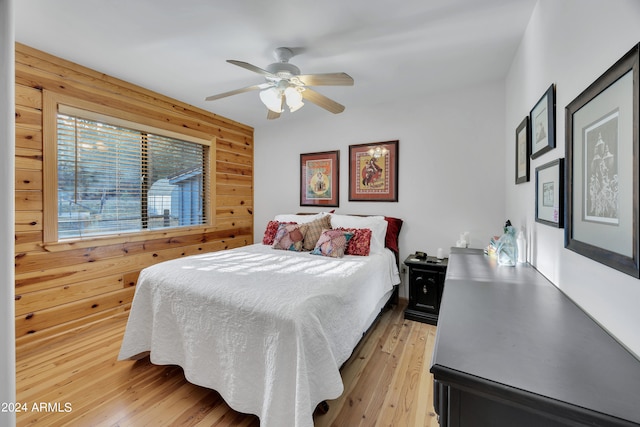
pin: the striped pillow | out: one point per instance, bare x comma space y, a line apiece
314, 230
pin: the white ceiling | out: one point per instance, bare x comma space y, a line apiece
394, 50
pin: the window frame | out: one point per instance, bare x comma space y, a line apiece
54, 103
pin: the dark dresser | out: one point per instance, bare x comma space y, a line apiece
512, 350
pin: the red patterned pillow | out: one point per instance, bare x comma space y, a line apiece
270, 233
360, 243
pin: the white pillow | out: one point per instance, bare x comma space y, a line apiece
299, 219
377, 225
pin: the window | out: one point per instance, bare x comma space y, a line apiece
116, 176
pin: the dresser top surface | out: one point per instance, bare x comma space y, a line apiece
511, 326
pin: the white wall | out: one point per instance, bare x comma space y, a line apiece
570, 43
450, 165
7, 141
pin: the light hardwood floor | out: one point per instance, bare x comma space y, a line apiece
76, 380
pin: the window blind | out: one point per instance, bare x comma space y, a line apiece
114, 179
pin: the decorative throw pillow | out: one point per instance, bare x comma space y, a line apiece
290, 237
360, 243
314, 230
393, 230
332, 243
270, 232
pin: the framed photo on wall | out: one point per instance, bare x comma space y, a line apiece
373, 172
319, 179
522, 151
602, 168
542, 124
550, 193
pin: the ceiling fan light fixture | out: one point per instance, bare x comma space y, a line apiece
272, 99
284, 83
293, 96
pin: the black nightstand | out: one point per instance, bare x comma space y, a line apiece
426, 284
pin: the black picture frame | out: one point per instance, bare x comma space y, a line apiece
550, 193
602, 162
542, 124
373, 172
320, 179
523, 151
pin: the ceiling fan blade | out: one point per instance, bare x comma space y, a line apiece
237, 91
250, 67
328, 79
322, 101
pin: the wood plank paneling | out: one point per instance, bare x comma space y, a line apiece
28, 117
234, 169
40, 300
68, 328
29, 97
28, 221
77, 309
234, 157
29, 241
235, 180
62, 286
28, 180
28, 200
238, 145
234, 201
231, 190
27, 158
29, 138
235, 222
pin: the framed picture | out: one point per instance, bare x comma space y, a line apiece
319, 179
522, 151
550, 193
542, 124
602, 168
373, 172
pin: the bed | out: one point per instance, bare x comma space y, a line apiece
268, 329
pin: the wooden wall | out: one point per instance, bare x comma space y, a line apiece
64, 286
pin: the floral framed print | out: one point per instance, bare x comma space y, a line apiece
522, 151
542, 124
319, 179
602, 168
550, 193
373, 172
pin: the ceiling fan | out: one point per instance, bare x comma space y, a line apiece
284, 85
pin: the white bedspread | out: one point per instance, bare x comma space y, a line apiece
267, 329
